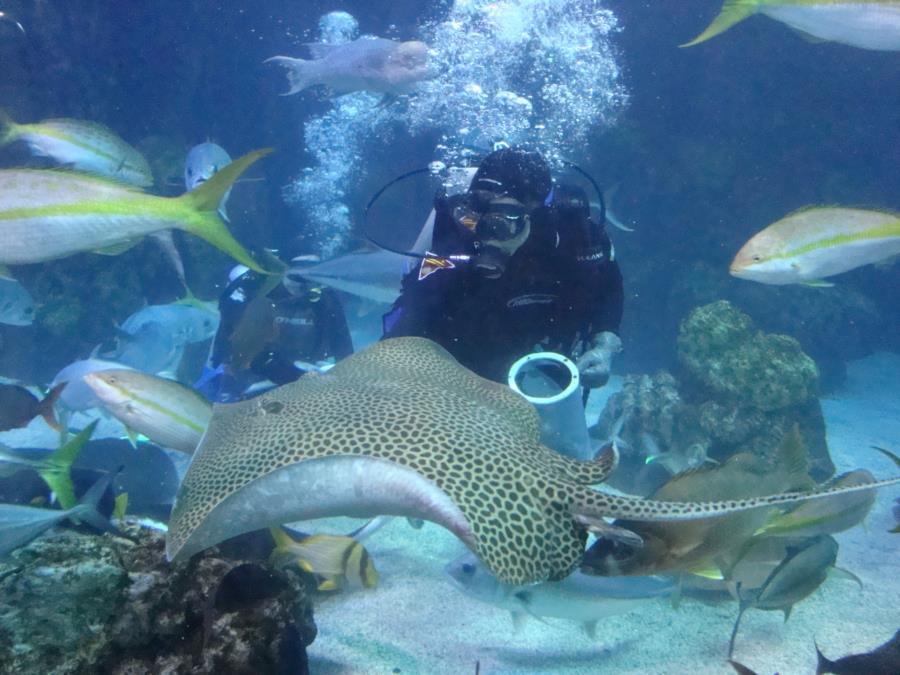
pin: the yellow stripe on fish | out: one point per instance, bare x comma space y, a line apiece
818, 242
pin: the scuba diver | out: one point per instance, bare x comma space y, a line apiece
539, 275
272, 331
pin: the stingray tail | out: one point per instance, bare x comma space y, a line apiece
300, 73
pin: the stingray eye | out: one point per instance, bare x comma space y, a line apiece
468, 569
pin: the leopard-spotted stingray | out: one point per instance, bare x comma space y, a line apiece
402, 429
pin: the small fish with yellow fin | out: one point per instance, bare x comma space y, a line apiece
340, 561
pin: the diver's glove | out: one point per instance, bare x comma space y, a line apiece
594, 365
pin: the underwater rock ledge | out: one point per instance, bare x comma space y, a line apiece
78, 603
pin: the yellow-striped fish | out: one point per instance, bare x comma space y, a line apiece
46, 215
818, 242
80, 145
868, 24
340, 561
167, 412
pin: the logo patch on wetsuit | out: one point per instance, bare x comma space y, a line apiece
432, 263
531, 299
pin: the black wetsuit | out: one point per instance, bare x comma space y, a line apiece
308, 328
556, 292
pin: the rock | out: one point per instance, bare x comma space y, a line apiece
76, 603
739, 390
833, 325
719, 348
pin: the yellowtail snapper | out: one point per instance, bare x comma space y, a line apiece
80, 145
46, 215
167, 412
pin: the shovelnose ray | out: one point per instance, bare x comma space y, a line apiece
402, 429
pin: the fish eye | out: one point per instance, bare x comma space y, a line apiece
468, 569
757, 258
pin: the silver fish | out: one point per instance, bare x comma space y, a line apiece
579, 597
186, 322
17, 307
374, 275
21, 524
203, 162
366, 64
81, 145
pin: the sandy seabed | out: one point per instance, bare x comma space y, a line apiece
416, 621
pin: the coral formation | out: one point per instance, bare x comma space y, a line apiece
719, 347
739, 390
75, 603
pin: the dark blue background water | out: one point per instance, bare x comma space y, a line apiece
718, 140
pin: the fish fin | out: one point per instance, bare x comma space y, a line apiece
281, 537
56, 471
793, 459
518, 620
370, 528
604, 530
121, 506
45, 409
707, 571
117, 249
741, 669
845, 574
817, 283
328, 585
809, 37
787, 612
887, 453
896, 530
9, 130
205, 201
327, 554
732, 12
5, 273
298, 73
590, 628
86, 509
678, 593
132, 437
823, 664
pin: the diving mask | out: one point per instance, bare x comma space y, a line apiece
492, 218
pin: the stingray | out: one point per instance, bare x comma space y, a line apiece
402, 429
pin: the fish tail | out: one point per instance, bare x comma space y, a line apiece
205, 201
45, 409
86, 511
823, 665
56, 471
732, 12
9, 130
299, 73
